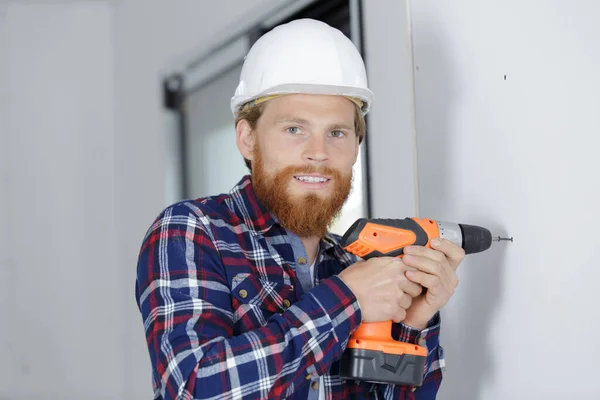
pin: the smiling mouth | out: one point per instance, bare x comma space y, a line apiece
311, 179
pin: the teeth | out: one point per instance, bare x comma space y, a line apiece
311, 179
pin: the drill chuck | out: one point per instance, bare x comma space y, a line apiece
473, 239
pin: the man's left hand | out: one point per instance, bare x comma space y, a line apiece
435, 270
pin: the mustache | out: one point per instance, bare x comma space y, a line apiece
311, 169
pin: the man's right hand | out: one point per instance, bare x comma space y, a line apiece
381, 287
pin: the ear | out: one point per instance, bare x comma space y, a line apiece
245, 139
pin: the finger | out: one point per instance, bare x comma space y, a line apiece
398, 266
405, 301
400, 315
453, 280
428, 265
431, 282
426, 252
453, 252
411, 288
447, 280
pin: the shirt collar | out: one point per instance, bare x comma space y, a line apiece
329, 242
250, 208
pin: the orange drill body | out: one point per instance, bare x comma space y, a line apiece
388, 239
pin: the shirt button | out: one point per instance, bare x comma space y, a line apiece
286, 303
308, 377
422, 342
414, 388
243, 293
315, 385
302, 261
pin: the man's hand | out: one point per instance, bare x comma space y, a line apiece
436, 272
383, 291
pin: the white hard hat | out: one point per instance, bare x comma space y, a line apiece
303, 56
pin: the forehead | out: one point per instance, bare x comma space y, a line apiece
308, 106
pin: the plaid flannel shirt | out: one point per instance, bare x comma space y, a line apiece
225, 316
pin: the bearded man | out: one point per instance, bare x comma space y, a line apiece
246, 294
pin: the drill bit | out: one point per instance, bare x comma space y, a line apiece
499, 239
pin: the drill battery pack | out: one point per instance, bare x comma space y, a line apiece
379, 367
373, 355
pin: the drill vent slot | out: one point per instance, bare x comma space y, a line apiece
359, 249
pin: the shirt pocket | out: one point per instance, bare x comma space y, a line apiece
254, 300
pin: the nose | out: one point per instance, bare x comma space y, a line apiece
315, 149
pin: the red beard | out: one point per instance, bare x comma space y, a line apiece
309, 215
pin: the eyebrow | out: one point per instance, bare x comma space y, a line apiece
302, 121
292, 120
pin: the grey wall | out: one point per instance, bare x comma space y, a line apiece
391, 134
82, 175
518, 155
62, 265
5, 370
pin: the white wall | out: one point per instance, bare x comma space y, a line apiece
518, 155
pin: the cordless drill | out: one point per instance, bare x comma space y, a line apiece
372, 354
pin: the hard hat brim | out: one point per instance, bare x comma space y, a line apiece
365, 95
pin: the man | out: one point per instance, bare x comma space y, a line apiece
246, 294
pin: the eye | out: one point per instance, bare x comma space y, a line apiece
338, 134
293, 130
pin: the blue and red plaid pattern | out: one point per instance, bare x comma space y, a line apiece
226, 318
